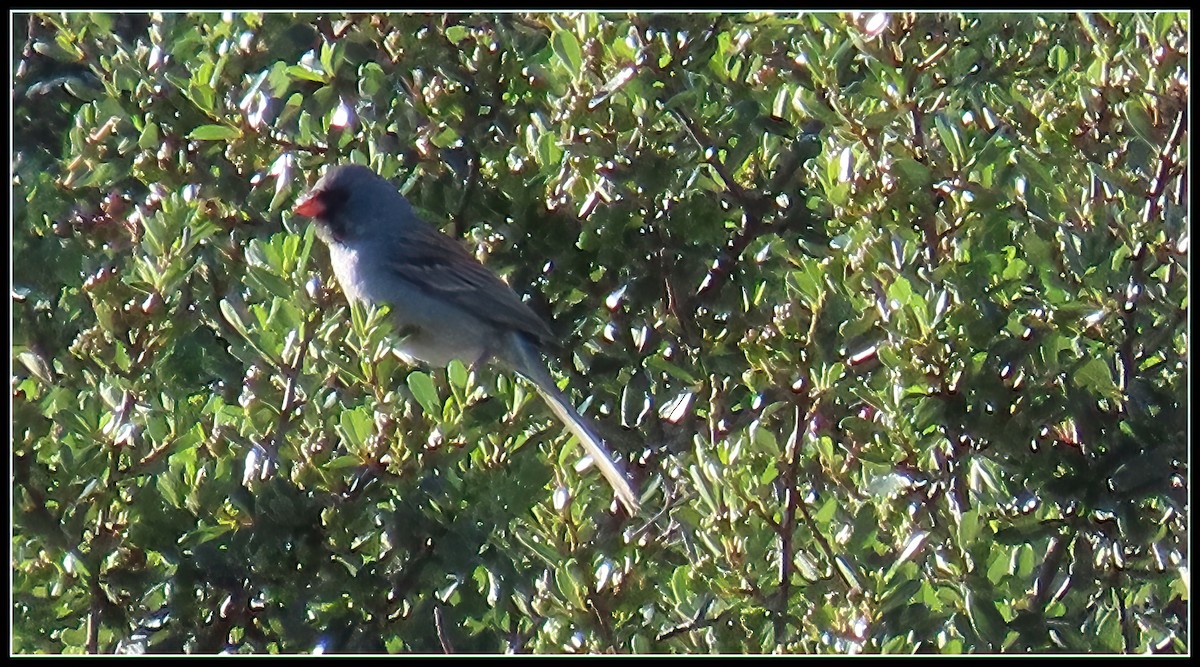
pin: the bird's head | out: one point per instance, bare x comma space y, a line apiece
350, 200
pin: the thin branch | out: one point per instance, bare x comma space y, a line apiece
1166, 166
749, 204
808, 518
27, 53
1048, 570
667, 507
933, 57
1160, 334
440, 626
292, 373
1128, 318
761, 512
1127, 631
821, 541
469, 189
411, 569
603, 614
293, 146
752, 208
94, 607
675, 297
1152, 210
787, 524
928, 223
696, 622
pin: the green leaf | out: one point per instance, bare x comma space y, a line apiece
566, 47
848, 571
149, 137
913, 172
1139, 119
356, 426
426, 394
899, 594
567, 579
215, 133
1096, 376
549, 151
343, 462
303, 73
901, 290
985, 618
658, 363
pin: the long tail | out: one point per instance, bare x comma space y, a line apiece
527, 361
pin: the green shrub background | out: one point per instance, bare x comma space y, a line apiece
886, 315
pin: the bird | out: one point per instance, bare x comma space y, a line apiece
449, 305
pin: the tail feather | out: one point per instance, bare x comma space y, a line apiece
527, 362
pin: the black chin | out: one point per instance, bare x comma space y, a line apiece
332, 228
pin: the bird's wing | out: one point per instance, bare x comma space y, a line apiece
442, 268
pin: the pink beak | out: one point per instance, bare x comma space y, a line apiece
310, 205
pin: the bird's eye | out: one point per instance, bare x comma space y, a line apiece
333, 199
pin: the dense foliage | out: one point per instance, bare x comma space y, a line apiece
885, 314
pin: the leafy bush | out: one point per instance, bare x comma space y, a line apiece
886, 314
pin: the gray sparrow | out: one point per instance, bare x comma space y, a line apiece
449, 304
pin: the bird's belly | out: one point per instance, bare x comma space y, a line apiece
417, 316
435, 332
437, 351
